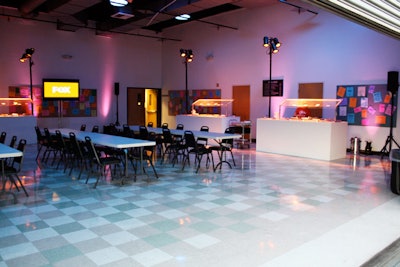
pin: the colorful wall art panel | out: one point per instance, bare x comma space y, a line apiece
367, 105
86, 106
177, 101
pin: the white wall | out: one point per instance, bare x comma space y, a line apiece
315, 48
98, 62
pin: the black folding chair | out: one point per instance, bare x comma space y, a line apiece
192, 147
102, 162
11, 170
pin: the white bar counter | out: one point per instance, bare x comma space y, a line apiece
324, 140
23, 127
216, 123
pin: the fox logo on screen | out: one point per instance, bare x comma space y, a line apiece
61, 89
56, 89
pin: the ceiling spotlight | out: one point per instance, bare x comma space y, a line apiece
183, 17
118, 3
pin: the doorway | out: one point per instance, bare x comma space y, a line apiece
241, 101
143, 106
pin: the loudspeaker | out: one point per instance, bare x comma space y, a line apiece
116, 88
393, 81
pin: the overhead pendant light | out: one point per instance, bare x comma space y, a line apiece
118, 3
183, 17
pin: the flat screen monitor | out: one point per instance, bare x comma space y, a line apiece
60, 89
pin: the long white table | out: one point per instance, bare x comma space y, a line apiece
5, 153
197, 134
9, 152
113, 141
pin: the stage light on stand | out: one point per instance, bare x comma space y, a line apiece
188, 56
273, 44
27, 56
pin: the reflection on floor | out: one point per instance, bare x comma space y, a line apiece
270, 210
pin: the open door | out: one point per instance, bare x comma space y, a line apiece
143, 106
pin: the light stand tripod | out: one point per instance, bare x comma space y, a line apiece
385, 150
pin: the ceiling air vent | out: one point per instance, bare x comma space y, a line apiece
122, 15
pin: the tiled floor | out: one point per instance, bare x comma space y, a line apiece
271, 210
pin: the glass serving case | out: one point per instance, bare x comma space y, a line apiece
309, 109
212, 106
15, 107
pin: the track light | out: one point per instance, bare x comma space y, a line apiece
183, 17
118, 3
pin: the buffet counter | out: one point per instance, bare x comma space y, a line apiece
22, 127
216, 123
316, 139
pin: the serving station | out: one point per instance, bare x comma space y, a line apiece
310, 137
214, 113
16, 118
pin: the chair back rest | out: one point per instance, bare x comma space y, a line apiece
150, 124
179, 126
190, 140
126, 128
203, 129
76, 148
83, 127
18, 160
47, 133
228, 140
59, 140
91, 149
164, 125
110, 129
39, 134
95, 129
3, 137
126, 131
167, 136
143, 133
13, 141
